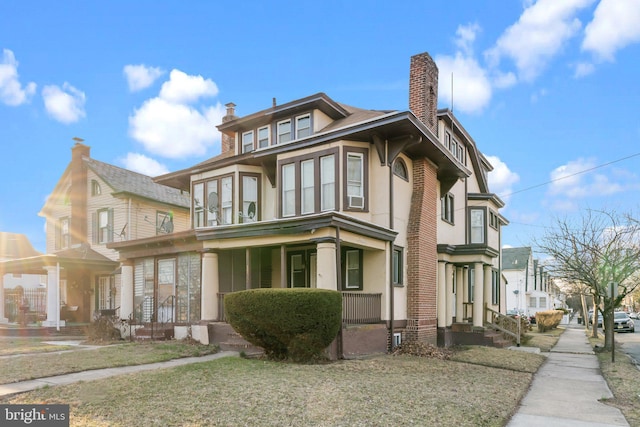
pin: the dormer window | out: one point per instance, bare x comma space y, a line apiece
284, 131
247, 141
303, 126
263, 137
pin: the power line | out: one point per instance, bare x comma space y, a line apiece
570, 175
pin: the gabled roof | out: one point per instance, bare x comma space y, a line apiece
14, 245
78, 256
123, 181
515, 258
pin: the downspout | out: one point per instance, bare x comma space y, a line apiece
391, 213
339, 343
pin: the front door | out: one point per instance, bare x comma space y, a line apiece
166, 290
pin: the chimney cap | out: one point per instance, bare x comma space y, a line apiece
76, 139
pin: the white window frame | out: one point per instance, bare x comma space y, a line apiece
300, 130
327, 182
263, 142
288, 175
355, 188
280, 134
307, 184
251, 183
226, 200
248, 141
477, 225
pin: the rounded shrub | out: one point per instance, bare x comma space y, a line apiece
296, 324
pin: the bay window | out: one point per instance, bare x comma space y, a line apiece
213, 202
249, 191
477, 225
328, 183
308, 187
288, 189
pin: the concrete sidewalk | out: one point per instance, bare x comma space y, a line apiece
96, 374
566, 390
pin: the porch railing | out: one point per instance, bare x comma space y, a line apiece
505, 324
25, 305
357, 308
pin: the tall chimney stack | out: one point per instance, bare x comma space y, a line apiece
228, 142
78, 194
423, 90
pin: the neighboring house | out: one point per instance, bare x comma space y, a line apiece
391, 208
94, 204
14, 287
529, 287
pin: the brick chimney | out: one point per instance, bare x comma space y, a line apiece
228, 141
423, 90
78, 193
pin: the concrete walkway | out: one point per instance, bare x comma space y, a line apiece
567, 389
96, 374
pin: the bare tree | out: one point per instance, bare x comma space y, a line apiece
601, 251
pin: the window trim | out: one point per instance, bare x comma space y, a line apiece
296, 162
244, 144
397, 270
447, 208
484, 224
258, 177
205, 201
364, 154
109, 226
279, 135
96, 190
159, 225
344, 255
297, 128
404, 172
268, 139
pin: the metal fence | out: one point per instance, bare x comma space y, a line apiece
25, 305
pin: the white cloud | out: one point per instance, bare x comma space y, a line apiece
577, 179
175, 130
140, 76
183, 88
168, 126
64, 104
535, 96
466, 36
11, 90
583, 69
539, 35
471, 86
501, 178
615, 25
143, 164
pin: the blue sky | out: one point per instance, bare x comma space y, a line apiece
548, 89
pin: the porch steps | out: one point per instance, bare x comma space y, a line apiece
228, 339
467, 334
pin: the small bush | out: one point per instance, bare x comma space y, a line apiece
296, 324
103, 329
548, 320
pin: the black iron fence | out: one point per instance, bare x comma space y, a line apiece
25, 305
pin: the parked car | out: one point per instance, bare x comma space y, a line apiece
622, 322
635, 316
599, 318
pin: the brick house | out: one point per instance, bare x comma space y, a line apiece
392, 208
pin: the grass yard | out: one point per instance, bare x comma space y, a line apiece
543, 340
386, 390
10, 346
32, 366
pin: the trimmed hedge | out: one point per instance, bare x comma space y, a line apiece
296, 324
547, 320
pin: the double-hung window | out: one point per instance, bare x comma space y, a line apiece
308, 187
327, 183
247, 141
303, 126
213, 202
446, 208
226, 200
477, 225
249, 192
198, 205
263, 137
104, 225
289, 189
352, 268
63, 237
355, 174
284, 131
397, 272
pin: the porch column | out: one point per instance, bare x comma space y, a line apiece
465, 291
488, 289
441, 297
327, 277
449, 294
126, 290
210, 287
478, 292
53, 304
460, 285
2, 318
